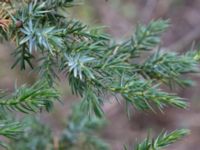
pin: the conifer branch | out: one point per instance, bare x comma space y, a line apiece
94, 64
169, 67
10, 129
30, 99
146, 37
162, 141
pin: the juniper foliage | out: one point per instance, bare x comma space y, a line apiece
162, 141
95, 65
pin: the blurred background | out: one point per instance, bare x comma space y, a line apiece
120, 17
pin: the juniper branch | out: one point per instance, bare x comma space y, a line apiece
162, 141
30, 99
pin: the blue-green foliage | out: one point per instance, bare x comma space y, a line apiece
94, 64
